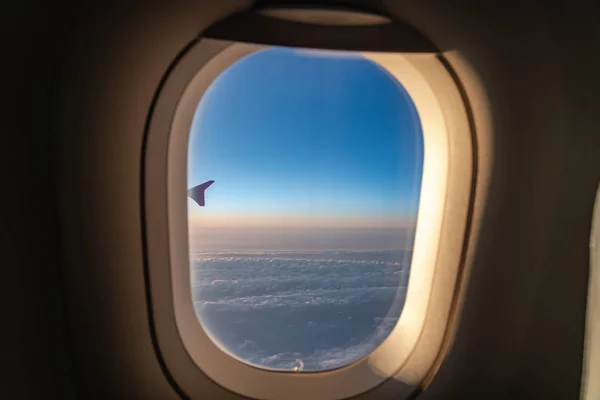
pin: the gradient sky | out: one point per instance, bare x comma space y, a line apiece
304, 145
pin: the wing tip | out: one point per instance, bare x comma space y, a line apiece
197, 192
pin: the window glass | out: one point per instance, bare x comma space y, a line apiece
304, 173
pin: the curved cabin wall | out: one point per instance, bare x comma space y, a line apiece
520, 330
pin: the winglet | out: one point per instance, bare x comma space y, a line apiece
197, 192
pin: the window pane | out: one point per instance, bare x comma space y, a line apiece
300, 249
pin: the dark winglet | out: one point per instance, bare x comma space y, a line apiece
197, 192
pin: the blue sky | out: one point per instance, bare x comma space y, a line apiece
296, 138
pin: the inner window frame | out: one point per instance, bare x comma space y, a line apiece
413, 345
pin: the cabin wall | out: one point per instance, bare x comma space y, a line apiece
78, 86
36, 348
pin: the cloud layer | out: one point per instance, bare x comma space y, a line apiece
303, 310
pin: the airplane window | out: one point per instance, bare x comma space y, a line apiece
304, 176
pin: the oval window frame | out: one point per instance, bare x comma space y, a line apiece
409, 352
